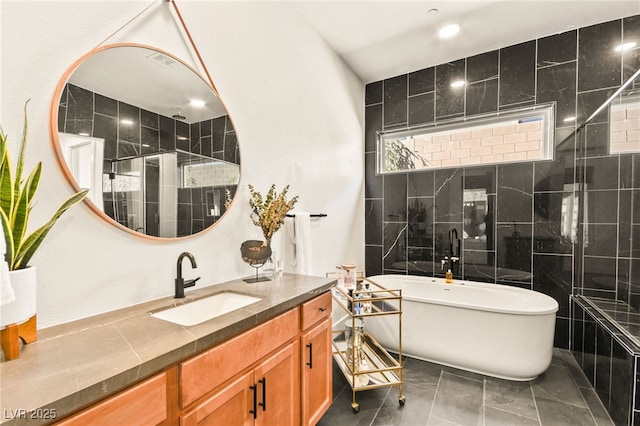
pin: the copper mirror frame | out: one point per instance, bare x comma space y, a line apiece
168, 170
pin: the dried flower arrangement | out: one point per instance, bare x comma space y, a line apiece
269, 212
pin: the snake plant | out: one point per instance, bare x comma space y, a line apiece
16, 202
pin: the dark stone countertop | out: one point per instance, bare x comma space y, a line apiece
75, 364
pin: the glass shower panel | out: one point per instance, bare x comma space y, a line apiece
123, 193
607, 258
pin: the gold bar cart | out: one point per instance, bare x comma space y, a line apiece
363, 361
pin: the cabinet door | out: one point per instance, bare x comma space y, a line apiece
142, 404
316, 372
211, 369
278, 382
229, 407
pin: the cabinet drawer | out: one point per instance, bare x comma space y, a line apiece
143, 404
206, 371
315, 310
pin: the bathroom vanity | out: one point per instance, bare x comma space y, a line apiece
266, 363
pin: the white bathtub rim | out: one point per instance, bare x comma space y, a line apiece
550, 305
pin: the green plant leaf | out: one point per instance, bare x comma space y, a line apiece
33, 241
6, 179
3, 146
8, 237
16, 199
22, 208
18, 221
23, 150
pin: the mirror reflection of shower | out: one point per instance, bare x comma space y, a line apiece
171, 194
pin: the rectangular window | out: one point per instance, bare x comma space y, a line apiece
624, 122
504, 137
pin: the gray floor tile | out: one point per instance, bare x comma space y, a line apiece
445, 396
513, 397
555, 413
436, 421
576, 371
557, 383
459, 400
415, 412
495, 417
595, 406
340, 412
557, 358
339, 381
463, 373
420, 373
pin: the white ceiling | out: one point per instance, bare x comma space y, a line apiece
381, 39
376, 39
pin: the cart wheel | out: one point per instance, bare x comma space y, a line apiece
401, 400
355, 407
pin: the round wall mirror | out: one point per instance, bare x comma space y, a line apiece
149, 138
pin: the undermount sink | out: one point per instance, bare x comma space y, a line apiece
192, 313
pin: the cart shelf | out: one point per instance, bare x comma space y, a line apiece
371, 366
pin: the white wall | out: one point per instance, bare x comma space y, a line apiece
297, 109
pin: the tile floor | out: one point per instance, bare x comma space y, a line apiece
437, 395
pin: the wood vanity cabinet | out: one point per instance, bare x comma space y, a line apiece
250, 379
296, 377
316, 364
277, 373
141, 404
266, 395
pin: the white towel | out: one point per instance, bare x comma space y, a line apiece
6, 291
301, 238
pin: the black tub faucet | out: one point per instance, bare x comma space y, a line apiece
180, 283
454, 252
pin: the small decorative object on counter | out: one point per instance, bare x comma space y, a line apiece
357, 306
448, 278
348, 274
366, 306
268, 213
354, 340
256, 254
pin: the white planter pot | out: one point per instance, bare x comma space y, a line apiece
23, 282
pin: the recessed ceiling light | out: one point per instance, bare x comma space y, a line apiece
626, 46
449, 30
458, 83
432, 12
198, 103
161, 58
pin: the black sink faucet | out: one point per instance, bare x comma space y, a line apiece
180, 283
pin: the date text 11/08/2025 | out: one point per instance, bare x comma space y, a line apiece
36, 413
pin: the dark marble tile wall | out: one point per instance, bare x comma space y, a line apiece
193, 211
609, 360
82, 111
521, 232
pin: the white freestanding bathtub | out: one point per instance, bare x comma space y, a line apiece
491, 329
